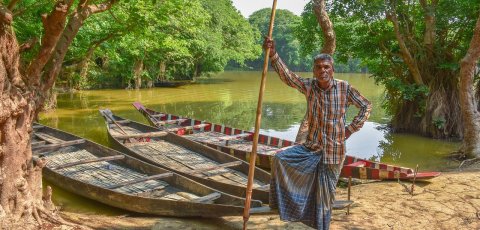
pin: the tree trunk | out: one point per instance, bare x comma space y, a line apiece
83, 66
196, 71
162, 69
137, 73
85, 63
21, 203
21, 96
50, 99
75, 21
436, 115
326, 24
329, 47
470, 114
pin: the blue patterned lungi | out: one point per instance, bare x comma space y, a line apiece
303, 187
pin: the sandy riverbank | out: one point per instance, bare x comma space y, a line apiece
451, 201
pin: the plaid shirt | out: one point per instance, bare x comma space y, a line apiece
326, 111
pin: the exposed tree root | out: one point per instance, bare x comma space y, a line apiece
469, 162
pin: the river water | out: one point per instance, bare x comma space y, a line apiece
230, 98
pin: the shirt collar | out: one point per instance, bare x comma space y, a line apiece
334, 84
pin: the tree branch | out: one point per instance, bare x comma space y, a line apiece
12, 4
53, 25
28, 45
76, 20
94, 8
407, 57
430, 20
327, 27
5, 15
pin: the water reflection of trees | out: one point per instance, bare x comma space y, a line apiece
277, 116
410, 150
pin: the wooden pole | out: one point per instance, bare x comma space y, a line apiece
253, 155
414, 178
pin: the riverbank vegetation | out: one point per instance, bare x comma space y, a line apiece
140, 42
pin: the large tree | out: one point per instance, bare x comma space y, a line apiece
468, 103
23, 89
413, 48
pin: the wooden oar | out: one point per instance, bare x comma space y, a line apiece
109, 116
251, 169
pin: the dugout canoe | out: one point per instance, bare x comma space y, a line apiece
91, 170
188, 158
238, 143
170, 84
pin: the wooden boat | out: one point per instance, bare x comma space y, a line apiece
238, 143
191, 159
108, 176
170, 84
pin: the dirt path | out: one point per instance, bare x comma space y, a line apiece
451, 201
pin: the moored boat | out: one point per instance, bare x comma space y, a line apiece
238, 143
108, 176
170, 84
191, 159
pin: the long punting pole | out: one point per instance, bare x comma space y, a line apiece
253, 155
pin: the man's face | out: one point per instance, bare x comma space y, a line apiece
323, 71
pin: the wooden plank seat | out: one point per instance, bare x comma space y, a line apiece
37, 126
199, 126
100, 159
130, 182
264, 187
47, 138
157, 115
208, 198
234, 137
174, 121
216, 167
49, 147
121, 122
141, 135
38, 143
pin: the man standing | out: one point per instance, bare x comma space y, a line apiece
304, 177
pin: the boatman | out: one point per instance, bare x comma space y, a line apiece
304, 177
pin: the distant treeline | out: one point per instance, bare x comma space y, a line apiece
288, 32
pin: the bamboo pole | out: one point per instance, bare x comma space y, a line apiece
253, 155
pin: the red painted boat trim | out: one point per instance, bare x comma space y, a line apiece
352, 165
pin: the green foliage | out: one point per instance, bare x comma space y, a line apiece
190, 36
294, 40
363, 32
286, 43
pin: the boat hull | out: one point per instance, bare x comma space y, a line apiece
353, 167
235, 190
226, 204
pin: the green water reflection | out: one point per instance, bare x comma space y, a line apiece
231, 98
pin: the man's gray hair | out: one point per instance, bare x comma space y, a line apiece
323, 57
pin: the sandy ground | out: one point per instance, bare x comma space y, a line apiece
451, 201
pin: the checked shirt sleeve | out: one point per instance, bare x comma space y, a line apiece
354, 97
287, 76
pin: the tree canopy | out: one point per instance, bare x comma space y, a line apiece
412, 48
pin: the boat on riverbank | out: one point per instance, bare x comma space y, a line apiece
188, 158
99, 173
238, 143
170, 84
